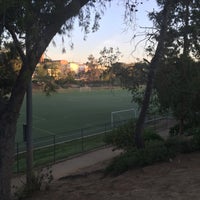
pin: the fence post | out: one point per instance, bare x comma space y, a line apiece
54, 149
167, 121
82, 146
17, 157
105, 132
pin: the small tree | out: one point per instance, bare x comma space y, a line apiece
109, 56
93, 72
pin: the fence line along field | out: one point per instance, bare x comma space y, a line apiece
73, 109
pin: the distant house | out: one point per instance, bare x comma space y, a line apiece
60, 68
54, 68
74, 66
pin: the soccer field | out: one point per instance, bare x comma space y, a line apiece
73, 109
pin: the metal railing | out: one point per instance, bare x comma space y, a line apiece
53, 148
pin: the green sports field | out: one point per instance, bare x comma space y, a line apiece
73, 109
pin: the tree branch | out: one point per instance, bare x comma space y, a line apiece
16, 41
59, 18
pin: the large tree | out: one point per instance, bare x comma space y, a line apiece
177, 80
166, 10
31, 25
177, 34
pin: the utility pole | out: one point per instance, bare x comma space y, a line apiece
28, 132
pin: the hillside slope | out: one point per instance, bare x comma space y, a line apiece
178, 179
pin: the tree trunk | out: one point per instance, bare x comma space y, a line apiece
152, 68
9, 112
7, 147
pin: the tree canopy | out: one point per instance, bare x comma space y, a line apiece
176, 80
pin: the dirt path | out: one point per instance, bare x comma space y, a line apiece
175, 180
73, 165
93, 186
70, 166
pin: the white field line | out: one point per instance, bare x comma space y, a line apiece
46, 131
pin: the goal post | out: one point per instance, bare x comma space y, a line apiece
121, 116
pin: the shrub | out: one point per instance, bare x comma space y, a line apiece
151, 135
123, 136
155, 151
180, 144
41, 180
189, 129
196, 139
174, 130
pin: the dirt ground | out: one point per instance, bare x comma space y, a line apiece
177, 179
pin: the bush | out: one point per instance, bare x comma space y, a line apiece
123, 136
41, 180
189, 129
155, 151
151, 135
180, 144
174, 130
196, 139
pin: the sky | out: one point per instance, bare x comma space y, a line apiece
112, 33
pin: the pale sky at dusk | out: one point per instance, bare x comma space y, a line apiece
110, 34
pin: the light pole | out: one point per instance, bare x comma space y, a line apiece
28, 132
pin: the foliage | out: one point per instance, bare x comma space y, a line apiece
108, 57
123, 136
182, 30
10, 65
154, 151
174, 130
178, 89
180, 144
154, 104
185, 144
41, 180
151, 135
189, 129
94, 72
177, 81
196, 138
133, 78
